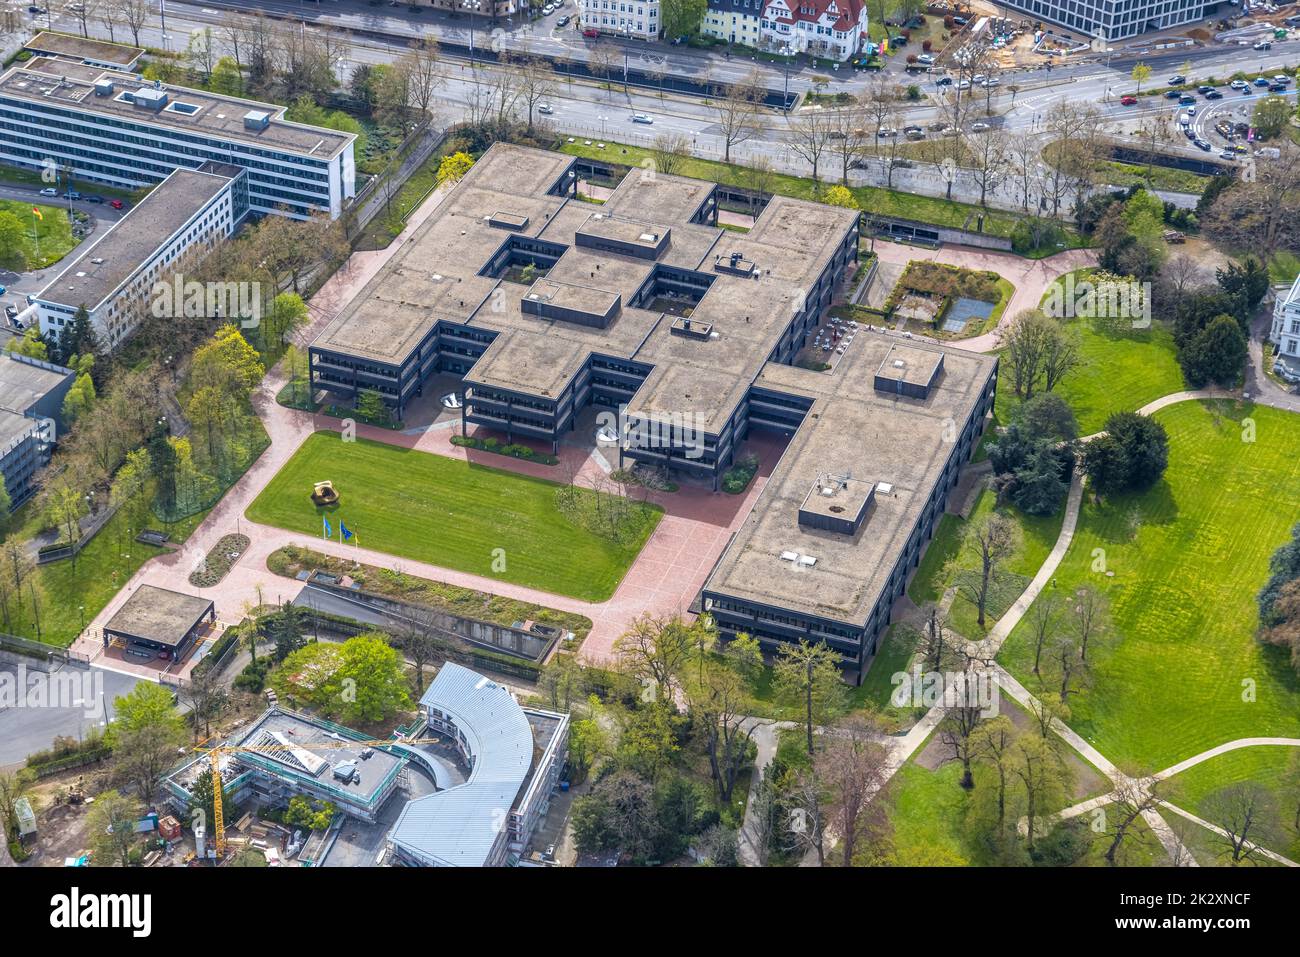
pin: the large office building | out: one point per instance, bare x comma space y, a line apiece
1116, 19
514, 757
547, 304
110, 126
31, 407
114, 276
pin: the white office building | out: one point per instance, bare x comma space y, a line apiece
113, 277
112, 127
636, 19
1285, 332
1115, 19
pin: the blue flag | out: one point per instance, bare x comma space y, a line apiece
329, 532
347, 532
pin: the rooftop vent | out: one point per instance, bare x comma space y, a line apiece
885, 488
152, 99
807, 561
257, 120
104, 87
789, 556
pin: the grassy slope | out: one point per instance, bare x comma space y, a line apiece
1182, 594
449, 513
884, 202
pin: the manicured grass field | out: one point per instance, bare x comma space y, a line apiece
53, 239
1187, 558
1263, 765
1038, 535
1116, 373
451, 513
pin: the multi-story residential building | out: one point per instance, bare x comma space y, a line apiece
113, 127
1115, 19
31, 407
833, 29
1285, 332
547, 305
487, 9
637, 19
735, 21
113, 277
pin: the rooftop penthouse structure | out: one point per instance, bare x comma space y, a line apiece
546, 304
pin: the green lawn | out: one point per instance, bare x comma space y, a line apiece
1038, 535
1263, 765
71, 595
1187, 558
53, 238
451, 513
1117, 372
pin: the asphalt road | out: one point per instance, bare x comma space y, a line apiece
32, 723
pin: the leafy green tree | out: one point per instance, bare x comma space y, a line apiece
371, 679
371, 407
454, 166
681, 18
145, 734
1131, 456
79, 400
13, 240
1217, 354
1271, 117
287, 313
313, 815
226, 79
30, 344
6, 503
648, 742
110, 822
808, 678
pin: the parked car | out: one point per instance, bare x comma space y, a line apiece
1277, 88
886, 131
94, 199
1239, 85
925, 59
1227, 154
1213, 95
548, 10
979, 127
545, 109
591, 33
563, 21
990, 81
943, 81
1128, 100
1204, 88
49, 191
1172, 94
642, 118
117, 204
73, 194
1282, 78
1261, 81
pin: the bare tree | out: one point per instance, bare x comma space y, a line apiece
848, 138
422, 69
805, 827
135, 14
82, 12
810, 134
994, 539
536, 83
601, 59
110, 17
656, 649
852, 767
1088, 610
1239, 809
205, 695
1042, 622
670, 151
717, 706
737, 112
1134, 797
989, 152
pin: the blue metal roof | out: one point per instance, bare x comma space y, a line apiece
460, 826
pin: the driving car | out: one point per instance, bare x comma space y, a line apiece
1176, 80
94, 199
1213, 95
1172, 94
73, 194
642, 118
1277, 88
49, 191
1203, 145
563, 21
1263, 45
1261, 81
545, 109
117, 204
1129, 100
979, 127
943, 81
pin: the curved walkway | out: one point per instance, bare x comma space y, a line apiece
904, 747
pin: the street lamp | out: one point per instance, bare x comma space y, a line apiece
473, 7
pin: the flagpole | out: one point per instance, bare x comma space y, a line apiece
36, 237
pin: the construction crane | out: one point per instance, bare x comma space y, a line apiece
215, 752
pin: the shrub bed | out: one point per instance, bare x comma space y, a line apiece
515, 450
218, 562
737, 478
